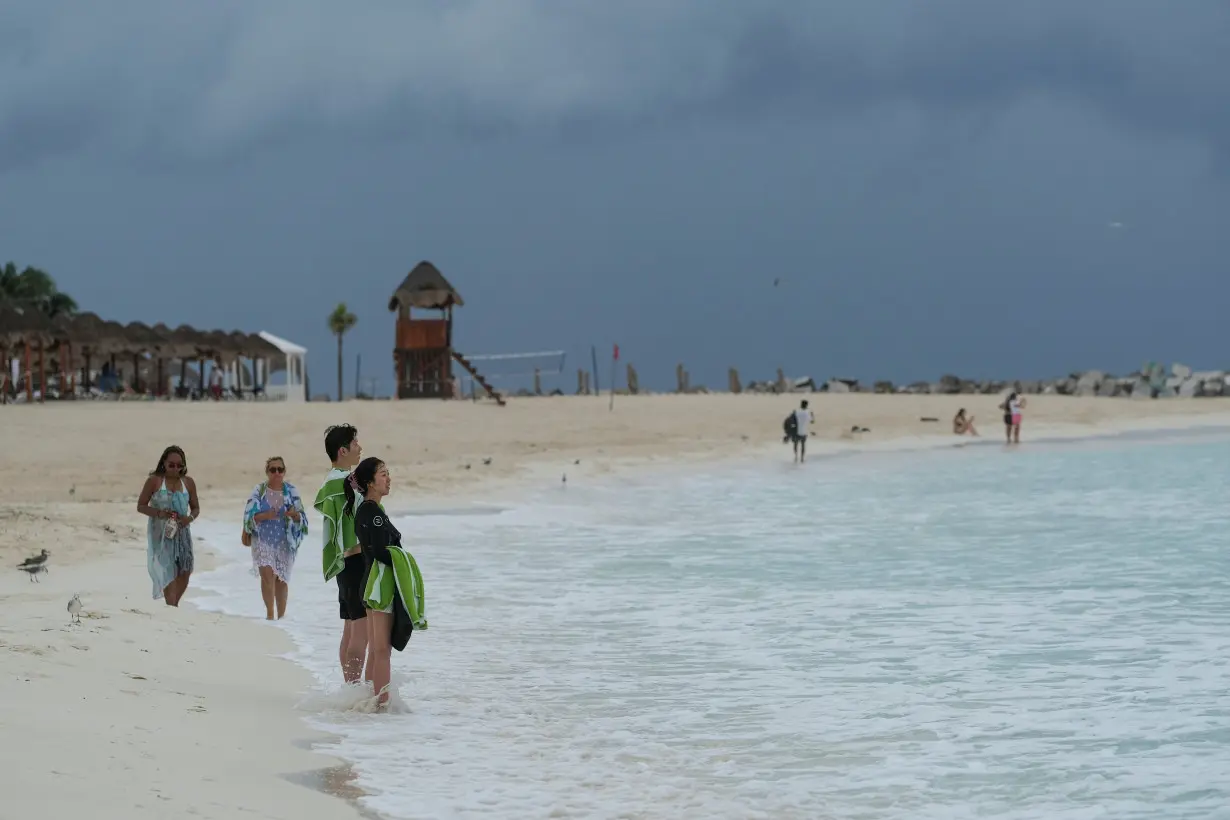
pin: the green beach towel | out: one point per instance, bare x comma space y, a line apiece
402, 583
338, 527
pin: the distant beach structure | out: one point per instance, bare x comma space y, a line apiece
423, 351
84, 356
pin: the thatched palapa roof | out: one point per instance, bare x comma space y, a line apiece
144, 337
21, 324
91, 335
425, 287
15, 323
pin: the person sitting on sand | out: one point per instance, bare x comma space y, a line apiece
394, 587
274, 523
169, 500
963, 425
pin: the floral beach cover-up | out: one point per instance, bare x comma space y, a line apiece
276, 541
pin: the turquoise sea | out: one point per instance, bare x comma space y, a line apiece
1039, 632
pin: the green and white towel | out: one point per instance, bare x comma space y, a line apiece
338, 527
402, 582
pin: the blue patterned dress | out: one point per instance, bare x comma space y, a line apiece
167, 557
275, 542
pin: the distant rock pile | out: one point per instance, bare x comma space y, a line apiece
1151, 382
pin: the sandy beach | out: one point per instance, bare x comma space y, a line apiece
147, 711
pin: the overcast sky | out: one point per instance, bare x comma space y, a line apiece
989, 188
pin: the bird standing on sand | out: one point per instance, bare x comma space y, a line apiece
74, 608
33, 570
35, 560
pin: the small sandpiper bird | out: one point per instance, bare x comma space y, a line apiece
35, 560
33, 570
74, 608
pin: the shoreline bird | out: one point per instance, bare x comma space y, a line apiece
33, 570
74, 607
35, 560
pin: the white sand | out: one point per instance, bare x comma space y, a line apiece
147, 711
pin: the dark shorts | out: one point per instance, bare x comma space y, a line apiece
799, 439
350, 583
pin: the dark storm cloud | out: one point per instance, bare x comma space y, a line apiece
208, 79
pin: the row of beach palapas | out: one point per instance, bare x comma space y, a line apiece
83, 355
1152, 381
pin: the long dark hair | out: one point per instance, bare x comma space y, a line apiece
161, 469
361, 479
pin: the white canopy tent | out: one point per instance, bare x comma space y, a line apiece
295, 365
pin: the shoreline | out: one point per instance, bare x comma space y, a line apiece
143, 710
336, 776
67, 484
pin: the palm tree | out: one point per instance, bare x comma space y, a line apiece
341, 320
34, 288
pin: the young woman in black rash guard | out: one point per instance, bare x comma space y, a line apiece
376, 534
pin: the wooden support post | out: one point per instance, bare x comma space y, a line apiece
42, 374
537, 382
29, 376
680, 381
634, 383
736, 386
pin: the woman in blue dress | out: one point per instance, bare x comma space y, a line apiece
274, 523
170, 502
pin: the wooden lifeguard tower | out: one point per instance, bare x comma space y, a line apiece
423, 352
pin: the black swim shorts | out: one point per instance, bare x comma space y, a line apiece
350, 583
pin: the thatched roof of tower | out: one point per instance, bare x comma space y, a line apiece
425, 287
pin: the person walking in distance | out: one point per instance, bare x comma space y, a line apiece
803, 419
343, 559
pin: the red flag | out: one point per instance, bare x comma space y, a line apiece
616, 352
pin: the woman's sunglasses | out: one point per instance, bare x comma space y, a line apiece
276, 470
174, 465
